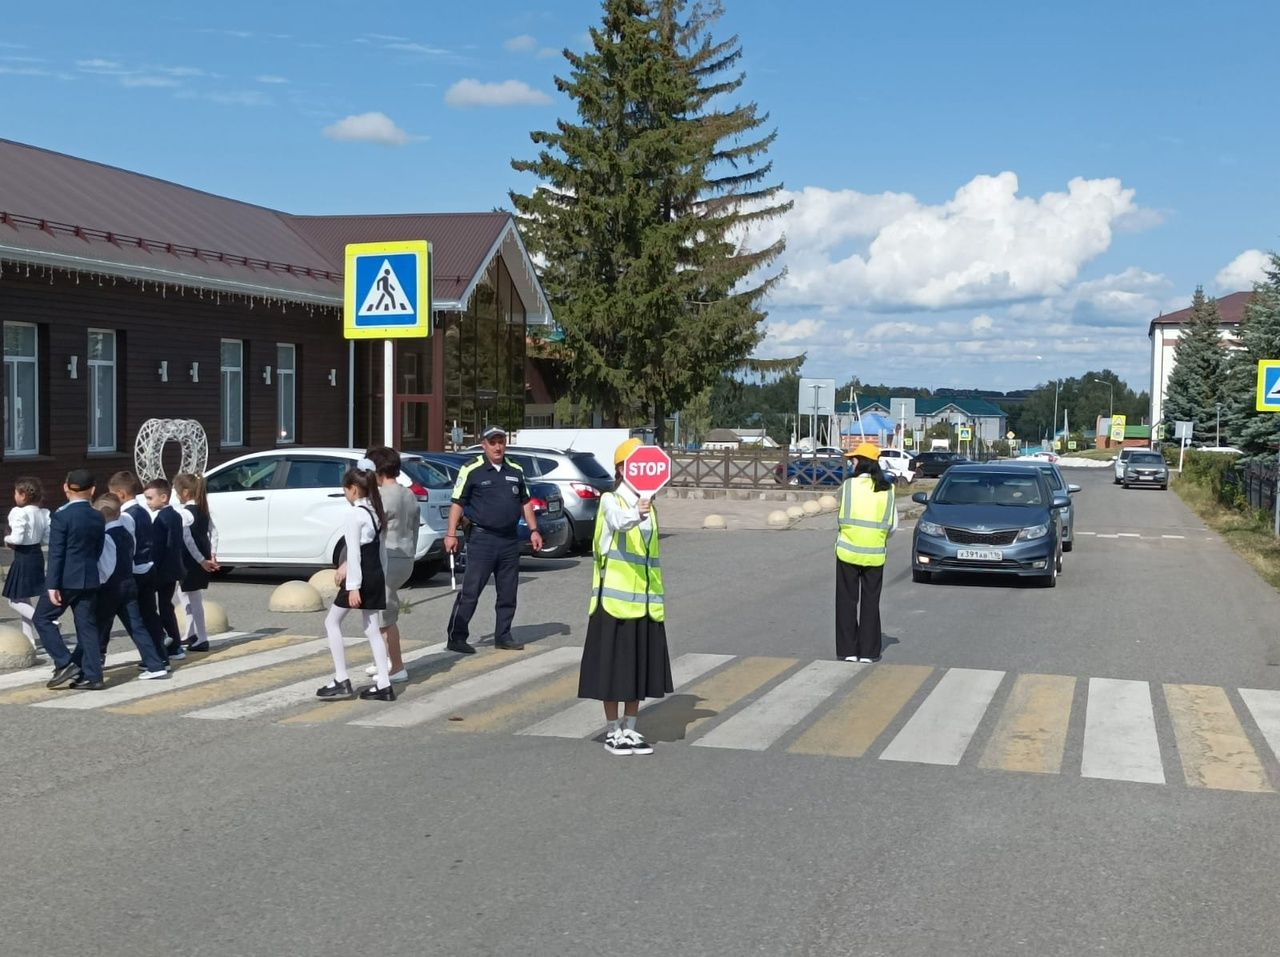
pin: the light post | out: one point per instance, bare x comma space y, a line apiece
1217, 429
1111, 402
1053, 431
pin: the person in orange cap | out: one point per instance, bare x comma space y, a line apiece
868, 516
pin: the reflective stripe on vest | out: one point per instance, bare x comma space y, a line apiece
628, 577
866, 516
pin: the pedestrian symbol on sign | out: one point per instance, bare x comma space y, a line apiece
386, 294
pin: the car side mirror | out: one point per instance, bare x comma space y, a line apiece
1072, 489
1061, 501
920, 497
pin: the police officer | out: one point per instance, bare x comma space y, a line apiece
868, 517
494, 493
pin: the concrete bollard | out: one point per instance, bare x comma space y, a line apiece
714, 521
322, 581
215, 618
794, 512
778, 519
295, 596
811, 507
828, 503
15, 650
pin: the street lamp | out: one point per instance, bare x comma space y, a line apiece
1053, 430
1111, 404
1218, 425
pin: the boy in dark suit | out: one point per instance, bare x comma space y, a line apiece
72, 580
119, 593
167, 566
133, 509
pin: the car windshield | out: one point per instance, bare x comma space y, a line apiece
589, 464
988, 488
1146, 458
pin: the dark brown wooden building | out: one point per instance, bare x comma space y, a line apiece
125, 298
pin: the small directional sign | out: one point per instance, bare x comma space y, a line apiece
388, 290
1269, 385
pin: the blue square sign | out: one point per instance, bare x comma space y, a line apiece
387, 290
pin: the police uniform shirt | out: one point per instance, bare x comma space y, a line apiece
492, 496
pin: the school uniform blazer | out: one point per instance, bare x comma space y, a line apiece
167, 546
76, 532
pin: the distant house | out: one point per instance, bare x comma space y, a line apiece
1165, 331
737, 439
988, 421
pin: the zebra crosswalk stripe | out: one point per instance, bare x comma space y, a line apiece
1031, 734
850, 728
940, 730
1212, 744
1120, 741
1265, 708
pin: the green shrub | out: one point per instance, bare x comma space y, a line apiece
1216, 473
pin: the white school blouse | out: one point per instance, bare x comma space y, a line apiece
28, 525
357, 530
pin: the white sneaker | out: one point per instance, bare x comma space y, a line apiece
153, 675
638, 744
853, 658
399, 677
615, 742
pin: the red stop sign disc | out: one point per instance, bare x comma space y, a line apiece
646, 470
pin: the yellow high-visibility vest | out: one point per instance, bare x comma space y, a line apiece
865, 519
628, 578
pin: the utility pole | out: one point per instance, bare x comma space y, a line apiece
1111, 391
1218, 425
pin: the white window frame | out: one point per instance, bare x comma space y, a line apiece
9, 381
224, 393
286, 385
96, 368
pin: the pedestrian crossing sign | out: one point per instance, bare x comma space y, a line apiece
1268, 385
387, 290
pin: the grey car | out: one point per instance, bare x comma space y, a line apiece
1145, 468
582, 479
1058, 484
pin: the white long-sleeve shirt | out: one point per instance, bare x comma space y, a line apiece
28, 525
621, 516
107, 558
358, 530
188, 520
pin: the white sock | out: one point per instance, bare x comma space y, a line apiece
615, 726
373, 631
333, 629
629, 722
195, 616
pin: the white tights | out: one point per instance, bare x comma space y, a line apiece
193, 603
370, 622
26, 611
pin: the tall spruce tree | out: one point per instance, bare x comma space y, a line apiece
642, 206
1256, 433
1196, 382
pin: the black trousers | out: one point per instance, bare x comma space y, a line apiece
165, 610
147, 605
858, 610
487, 554
88, 653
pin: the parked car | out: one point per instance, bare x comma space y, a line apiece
582, 479
286, 507
934, 464
898, 462
1122, 459
812, 470
997, 519
1145, 467
1058, 484
548, 506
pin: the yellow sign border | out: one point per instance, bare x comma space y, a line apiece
1123, 424
1260, 403
420, 329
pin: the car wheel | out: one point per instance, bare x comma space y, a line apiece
1050, 580
1124, 484
921, 577
425, 570
1164, 488
1067, 546
1058, 564
557, 551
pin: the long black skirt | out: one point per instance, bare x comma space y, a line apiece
624, 659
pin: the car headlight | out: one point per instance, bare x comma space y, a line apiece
931, 528
1034, 532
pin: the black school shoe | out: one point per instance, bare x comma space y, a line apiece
62, 675
198, 646
336, 690
461, 647
374, 693
84, 684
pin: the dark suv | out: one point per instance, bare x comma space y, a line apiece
933, 464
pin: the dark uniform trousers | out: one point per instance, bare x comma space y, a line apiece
858, 610
487, 554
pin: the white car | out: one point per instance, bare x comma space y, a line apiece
898, 463
1052, 457
286, 506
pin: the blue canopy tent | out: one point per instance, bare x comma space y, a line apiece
872, 425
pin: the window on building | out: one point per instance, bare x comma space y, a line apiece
232, 392
286, 396
21, 390
102, 390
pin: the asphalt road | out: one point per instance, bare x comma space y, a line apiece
137, 830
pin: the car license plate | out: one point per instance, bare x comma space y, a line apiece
444, 511
980, 554
554, 508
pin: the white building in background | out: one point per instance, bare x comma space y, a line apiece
1165, 331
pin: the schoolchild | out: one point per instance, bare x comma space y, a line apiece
28, 530
364, 587
403, 518
624, 656
197, 555
118, 595
136, 517
166, 557
72, 580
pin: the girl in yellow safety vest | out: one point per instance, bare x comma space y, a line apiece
624, 657
868, 516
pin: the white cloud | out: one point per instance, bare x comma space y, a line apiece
99, 65
142, 80
270, 78
521, 44
418, 48
801, 330
371, 127
469, 93
1243, 271
985, 245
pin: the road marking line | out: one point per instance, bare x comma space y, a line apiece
1032, 731
1212, 744
1173, 536
1086, 533
940, 730
281, 699
675, 718
1127, 535
1265, 708
1102, 535
39, 674
585, 718
852, 727
187, 676
445, 702
767, 719
1120, 742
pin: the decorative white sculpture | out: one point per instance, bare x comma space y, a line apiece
148, 449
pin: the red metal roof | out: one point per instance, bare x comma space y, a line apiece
73, 213
1230, 310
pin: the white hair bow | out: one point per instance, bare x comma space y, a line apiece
366, 465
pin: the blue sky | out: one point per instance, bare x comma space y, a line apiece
987, 195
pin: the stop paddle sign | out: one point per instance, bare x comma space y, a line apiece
646, 470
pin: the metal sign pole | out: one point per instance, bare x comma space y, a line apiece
388, 393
